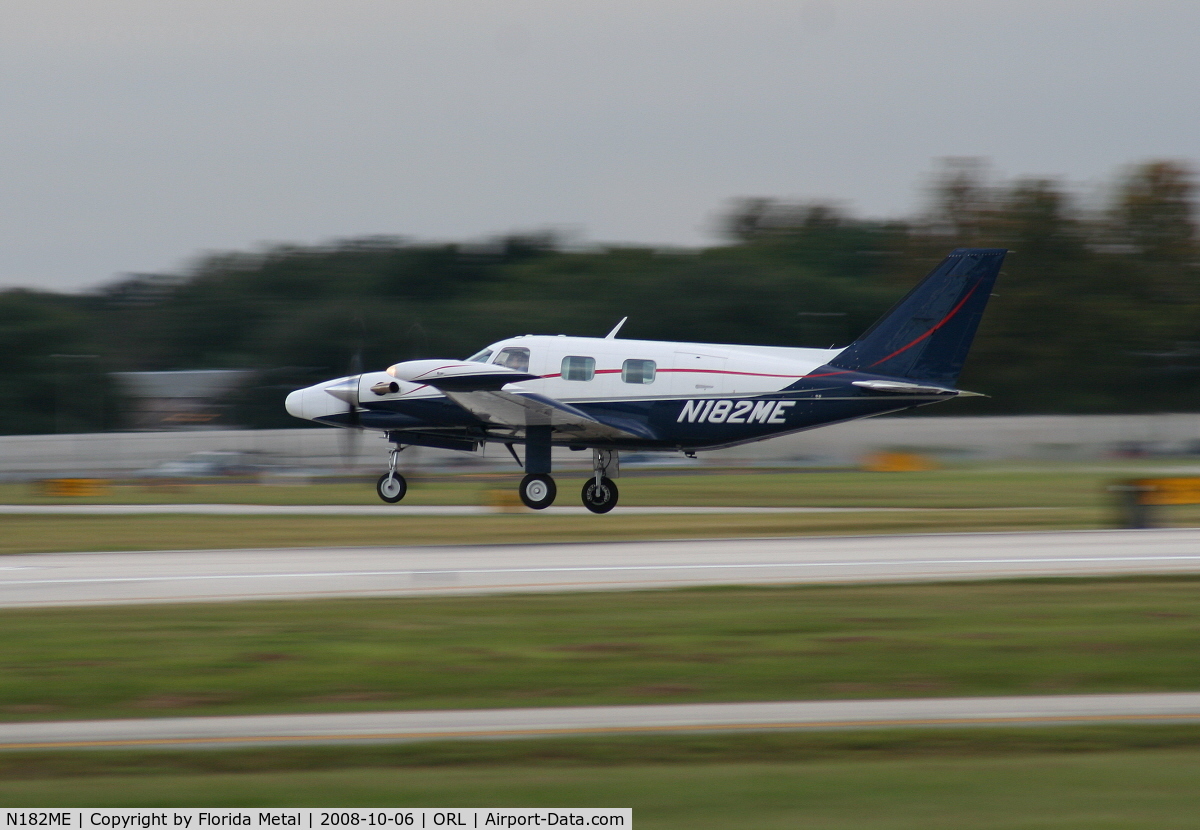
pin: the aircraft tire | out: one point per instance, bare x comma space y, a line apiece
600, 499
391, 487
538, 491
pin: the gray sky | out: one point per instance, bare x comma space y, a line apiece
137, 134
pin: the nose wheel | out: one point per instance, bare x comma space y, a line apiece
391, 486
599, 495
538, 491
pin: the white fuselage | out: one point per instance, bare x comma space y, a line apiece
679, 371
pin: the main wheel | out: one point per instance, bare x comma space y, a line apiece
599, 499
391, 487
538, 491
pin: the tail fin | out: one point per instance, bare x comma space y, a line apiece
927, 334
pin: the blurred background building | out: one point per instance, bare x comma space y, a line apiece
291, 454
188, 399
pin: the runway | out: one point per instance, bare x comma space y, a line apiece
429, 510
391, 727
185, 576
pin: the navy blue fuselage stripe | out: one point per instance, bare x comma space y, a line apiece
664, 423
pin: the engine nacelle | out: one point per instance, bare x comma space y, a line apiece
458, 375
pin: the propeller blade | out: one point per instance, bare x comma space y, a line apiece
350, 438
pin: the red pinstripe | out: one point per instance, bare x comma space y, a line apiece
940, 323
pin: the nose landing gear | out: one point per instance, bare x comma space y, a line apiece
391, 486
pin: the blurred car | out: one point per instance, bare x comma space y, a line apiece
656, 459
211, 464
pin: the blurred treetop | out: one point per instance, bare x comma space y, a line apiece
1096, 311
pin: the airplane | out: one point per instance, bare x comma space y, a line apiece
608, 394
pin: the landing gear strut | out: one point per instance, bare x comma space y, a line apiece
599, 491
537, 488
391, 486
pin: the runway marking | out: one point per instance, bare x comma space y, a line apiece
601, 730
610, 568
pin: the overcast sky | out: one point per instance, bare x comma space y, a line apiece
137, 134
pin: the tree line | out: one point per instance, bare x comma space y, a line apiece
1095, 311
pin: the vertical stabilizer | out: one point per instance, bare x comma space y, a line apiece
927, 334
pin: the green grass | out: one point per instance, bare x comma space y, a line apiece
979, 487
463, 489
950, 500
1016, 637
1074, 485
39, 534
613, 750
1157, 789
1079, 776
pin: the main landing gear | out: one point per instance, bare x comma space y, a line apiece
391, 486
537, 488
599, 494
599, 491
538, 491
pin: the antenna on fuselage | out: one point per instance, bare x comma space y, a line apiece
612, 335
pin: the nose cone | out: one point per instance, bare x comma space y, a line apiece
314, 403
295, 403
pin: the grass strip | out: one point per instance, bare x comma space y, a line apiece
715, 748
716, 644
48, 534
984, 486
1068, 791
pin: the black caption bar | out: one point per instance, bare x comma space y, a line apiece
195, 818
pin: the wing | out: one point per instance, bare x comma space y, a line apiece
461, 375
515, 408
489, 392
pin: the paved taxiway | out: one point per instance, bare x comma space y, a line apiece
431, 510
182, 576
358, 727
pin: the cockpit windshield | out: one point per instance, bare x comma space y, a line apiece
514, 358
480, 357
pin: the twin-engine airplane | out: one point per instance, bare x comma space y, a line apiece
607, 395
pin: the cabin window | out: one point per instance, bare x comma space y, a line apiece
578, 368
638, 371
480, 357
515, 359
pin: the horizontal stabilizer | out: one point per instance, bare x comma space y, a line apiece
903, 388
